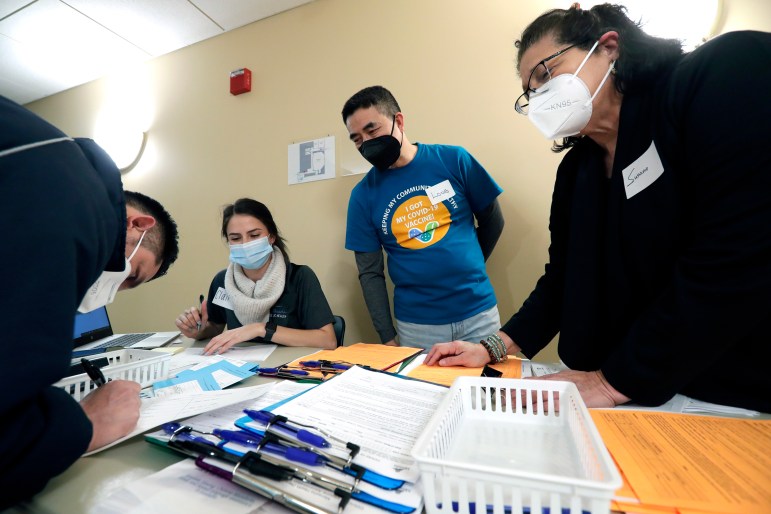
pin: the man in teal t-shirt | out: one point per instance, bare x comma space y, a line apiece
419, 203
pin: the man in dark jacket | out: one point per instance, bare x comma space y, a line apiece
67, 231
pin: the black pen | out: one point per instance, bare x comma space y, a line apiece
94, 373
200, 312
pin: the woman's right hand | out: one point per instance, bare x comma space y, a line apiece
188, 321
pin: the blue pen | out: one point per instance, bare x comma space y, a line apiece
255, 441
277, 371
178, 431
269, 419
325, 364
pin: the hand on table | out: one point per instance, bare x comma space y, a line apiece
228, 338
457, 353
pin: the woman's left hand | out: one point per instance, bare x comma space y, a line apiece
594, 389
228, 338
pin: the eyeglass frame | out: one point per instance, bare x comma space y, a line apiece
526, 94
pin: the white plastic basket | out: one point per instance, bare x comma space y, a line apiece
487, 446
143, 366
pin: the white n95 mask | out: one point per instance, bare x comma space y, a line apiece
563, 106
103, 291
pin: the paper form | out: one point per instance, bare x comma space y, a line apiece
157, 411
382, 413
181, 487
225, 416
194, 356
691, 462
446, 375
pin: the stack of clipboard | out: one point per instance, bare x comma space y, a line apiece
305, 468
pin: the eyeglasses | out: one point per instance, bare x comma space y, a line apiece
538, 78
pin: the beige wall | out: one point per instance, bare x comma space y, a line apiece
450, 63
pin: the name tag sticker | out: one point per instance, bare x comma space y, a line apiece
440, 192
642, 172
222, 299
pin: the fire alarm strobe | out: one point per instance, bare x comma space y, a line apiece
240, 81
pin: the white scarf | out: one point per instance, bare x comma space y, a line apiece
252, 300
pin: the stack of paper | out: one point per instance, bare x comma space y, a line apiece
375, 356
446, 375
689, 464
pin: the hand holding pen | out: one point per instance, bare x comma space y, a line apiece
192, 322
112, 408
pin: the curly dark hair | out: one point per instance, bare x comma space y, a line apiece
163, 238
641, 60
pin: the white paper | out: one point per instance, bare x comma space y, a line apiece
182, 487
192, 357
189, 387
382, 413
642, 172
222, 298
440, 192
311, 160
157, 411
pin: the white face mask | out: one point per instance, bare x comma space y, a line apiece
563, 106
103, 291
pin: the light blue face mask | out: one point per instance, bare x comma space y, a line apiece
251, 255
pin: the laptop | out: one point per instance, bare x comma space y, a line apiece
93, 333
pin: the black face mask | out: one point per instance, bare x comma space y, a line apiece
383, 151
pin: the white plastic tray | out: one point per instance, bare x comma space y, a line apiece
496, 442
143, 366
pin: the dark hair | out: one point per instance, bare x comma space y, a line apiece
162, 239
378, 96
255, 209
642, 58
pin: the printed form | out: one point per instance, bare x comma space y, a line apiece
701, 463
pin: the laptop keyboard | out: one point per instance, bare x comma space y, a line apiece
124, 340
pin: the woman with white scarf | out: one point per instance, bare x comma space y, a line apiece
260, 296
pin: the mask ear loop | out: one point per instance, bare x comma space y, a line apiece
589, 54
393, 126
611, 69
137, 246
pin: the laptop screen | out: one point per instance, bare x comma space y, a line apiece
91, 326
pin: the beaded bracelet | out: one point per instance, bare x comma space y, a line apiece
501, 346
489, 349
495, 347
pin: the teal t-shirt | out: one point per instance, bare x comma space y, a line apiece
434, 258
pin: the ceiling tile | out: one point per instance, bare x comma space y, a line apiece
157, 27
9, 6
237, 13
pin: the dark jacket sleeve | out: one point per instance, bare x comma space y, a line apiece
59, 235
719, 296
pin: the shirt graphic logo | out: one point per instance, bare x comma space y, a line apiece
417, 224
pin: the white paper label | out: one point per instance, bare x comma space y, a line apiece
642, 172
440, 192
222, 299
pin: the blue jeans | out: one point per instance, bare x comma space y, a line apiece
473, 329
